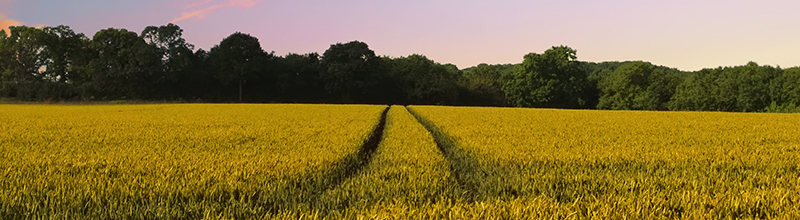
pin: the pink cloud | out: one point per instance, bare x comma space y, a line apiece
205, 11
7, 22
4, 21
197, 4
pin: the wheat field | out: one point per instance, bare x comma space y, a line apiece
301, 161
174, 161
626, 164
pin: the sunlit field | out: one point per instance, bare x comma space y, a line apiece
174, 161
625, 164
286, 161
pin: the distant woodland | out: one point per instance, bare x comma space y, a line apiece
53, 64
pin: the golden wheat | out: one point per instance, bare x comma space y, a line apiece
208, 161
173, 161
407, 170
625, 164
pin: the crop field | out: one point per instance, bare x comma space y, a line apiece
292, 161
406, 171
174, 161
625, 164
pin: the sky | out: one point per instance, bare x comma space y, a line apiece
685, 34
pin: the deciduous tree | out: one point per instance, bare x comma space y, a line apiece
351, 72
551, 79
236, 59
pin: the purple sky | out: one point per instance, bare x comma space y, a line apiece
688, 35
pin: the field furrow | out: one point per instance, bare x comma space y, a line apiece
175, 161
406, 173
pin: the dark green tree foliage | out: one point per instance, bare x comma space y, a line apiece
595, 72
236, 59
352, 73
124, 65
637, 86
785, 92
552, 79
5, 62
66, 59
789, 84
482, 85
424, 81
23, 64
177, 59
299, 79
42, 64
202, 85
55, 63
739, 89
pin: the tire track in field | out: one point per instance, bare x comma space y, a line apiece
301, 193
351, 165
364, 155
463, 166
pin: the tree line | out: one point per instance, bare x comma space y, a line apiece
57, 64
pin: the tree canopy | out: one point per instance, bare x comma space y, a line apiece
637, 85
158, 64
238, 58
551, 80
